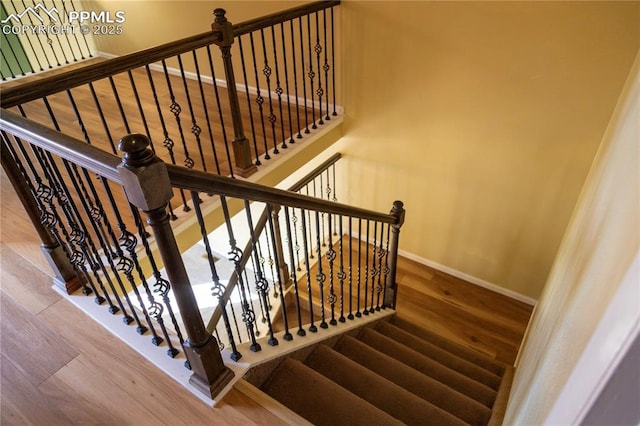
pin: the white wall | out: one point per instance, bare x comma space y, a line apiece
595, 261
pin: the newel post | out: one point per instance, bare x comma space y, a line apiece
147, 185
244, 165
65, 276
391, 292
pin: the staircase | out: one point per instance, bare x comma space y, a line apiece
391, 372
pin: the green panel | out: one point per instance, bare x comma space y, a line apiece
14, 61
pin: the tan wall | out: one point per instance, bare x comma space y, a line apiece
600, 245
484, 117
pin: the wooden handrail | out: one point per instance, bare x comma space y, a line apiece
283, 16
37, 89
194, 180
67, 147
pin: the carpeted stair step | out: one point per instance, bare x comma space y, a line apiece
318, 399
475, 357
440, 355
421, 385
375, 389
457, 381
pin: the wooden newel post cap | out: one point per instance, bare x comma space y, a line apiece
398, 211
222, 25
144, 176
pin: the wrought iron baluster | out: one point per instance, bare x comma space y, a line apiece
49, 41
386, 269
269, 262
218, 288
136, 96
318, 49
270, 219
267, 71
312, 327
304, 80
295, 81
366, 272
255, 280
103, 119
350, 316
196, 130
294, 220
66, 13
246, 88
83, 35
279, 90
320, 276
259, 98
374, 269
36, 56
331, 257
379, 287
358, 314
262, 285
286, 83
73, 55
288, 222
116, 96
14, 60
333, 62
324, 235
220, 115
311, 75
306, 188
341, 274
326, 66
206, 113
235, 256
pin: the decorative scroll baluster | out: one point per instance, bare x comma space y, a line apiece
267, 71
374, 270
331, 257
333, 61
326, 66
218, 289
312, 327
206, 114
366, 272
293, 261
196, 130
381, 254
318, 49
341, 274
311, 74
246, 88
320, 277
277, 253
235, 255
358, 314
269, 261
295, 81
306, 188
304, 80
386, 269
279, 90
294, 220
350, 316
259, 98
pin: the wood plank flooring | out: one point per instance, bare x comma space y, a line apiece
60, 367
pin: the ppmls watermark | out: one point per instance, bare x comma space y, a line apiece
40, 20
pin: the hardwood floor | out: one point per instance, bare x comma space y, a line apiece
61, 367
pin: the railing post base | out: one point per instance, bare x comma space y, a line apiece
206, 378
244, 165
65, 278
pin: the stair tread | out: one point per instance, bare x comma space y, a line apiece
437, 371
440, 355
425, 387
471, 355
375, 389
313, 396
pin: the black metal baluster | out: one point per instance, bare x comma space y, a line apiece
287, 335
286, 85
350, 316
66, 13
341, 274
358, 314
318, 49
311, 75
103, 119
44, 52
326, 66
167, 142
295, 81
294, 277
324, 235
333, 62
83, 35
320, 276
35, 54
279, 90
267, 73
176, 110
140, 109
386, 270
246, 88
116, 96
73, 55
262, 285
309, 218
195, 128
270, 262
250, 297
366, 272
15, 60
206, 112
259, 98
218, 288
294, 220
304, 80
312, 327
235, 256
50, 41
374, 270
220, 115
255, 281
329, 190
331, 257
379, 287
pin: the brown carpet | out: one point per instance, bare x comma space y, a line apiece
393, 373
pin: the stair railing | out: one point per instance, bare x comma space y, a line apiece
174, 93
72, 188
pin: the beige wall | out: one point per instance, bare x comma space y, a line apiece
597, 252
484, 117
